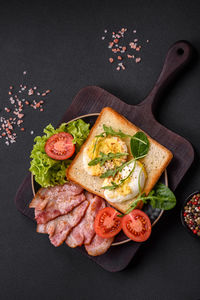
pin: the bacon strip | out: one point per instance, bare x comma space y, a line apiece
52, 202
59, 228
84, 231
98, 245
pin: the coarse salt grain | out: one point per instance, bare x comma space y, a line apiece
30, 92
138, 59
117, 47
7, 124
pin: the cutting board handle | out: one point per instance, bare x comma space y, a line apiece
178, 56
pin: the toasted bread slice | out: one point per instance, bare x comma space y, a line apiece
155, 162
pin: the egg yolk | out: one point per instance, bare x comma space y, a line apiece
124, 189
133, 185
106, 145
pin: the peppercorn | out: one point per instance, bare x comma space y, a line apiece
191, 214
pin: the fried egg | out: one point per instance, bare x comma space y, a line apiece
105, 145
131, 187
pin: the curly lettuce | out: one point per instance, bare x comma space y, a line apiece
80, 130
48, 171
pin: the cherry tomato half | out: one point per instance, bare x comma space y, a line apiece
60, 146
106, 223
136, 225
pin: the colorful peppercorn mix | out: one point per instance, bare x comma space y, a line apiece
191, 214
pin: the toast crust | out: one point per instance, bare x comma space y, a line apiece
77, 174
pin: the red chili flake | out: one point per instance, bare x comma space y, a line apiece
26, 102
116, 41
119, 57
43, 94
41, 109
22, 129
111, 60
195, 231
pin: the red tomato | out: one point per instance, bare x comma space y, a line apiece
60, 146
136, 225
106, 223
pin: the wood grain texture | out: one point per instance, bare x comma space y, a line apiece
92, 99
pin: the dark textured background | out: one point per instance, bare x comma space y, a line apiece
59, 44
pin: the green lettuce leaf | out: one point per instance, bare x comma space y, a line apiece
80, 130
50, 172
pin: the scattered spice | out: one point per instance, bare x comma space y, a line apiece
119, 45
191, 214
121, 66
19, 99
137, 60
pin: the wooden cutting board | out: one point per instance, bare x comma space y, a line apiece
92, 99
